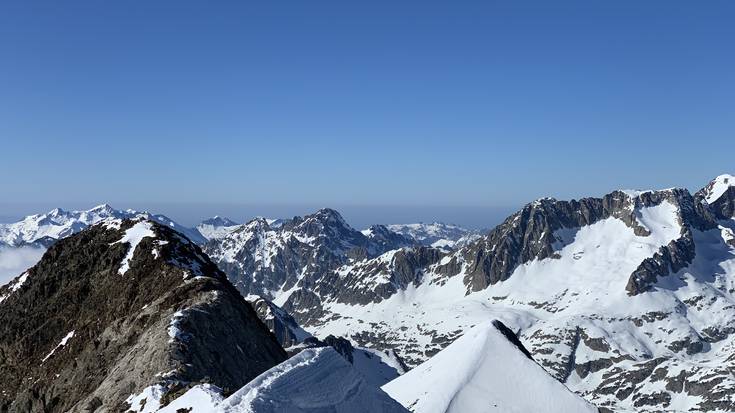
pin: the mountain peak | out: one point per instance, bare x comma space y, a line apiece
488, 367
717, 187
329, 215
146, 316
219, 221
56, 211
102, 207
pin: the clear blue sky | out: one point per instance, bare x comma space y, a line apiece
456, 106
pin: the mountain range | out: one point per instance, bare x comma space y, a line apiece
627, 300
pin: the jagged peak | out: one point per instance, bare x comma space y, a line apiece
325, 218
102, 207
543, 200
56, 211
255, 224
329, 214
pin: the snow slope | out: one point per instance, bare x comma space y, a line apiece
718, 186
216, 227
315, 380
481, 372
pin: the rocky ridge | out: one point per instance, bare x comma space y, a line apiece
127, 314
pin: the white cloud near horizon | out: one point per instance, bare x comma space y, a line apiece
13, 261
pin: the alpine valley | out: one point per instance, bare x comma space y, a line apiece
621, 303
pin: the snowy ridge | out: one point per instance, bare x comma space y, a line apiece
314, 380
287, 331
483, 371
58, 223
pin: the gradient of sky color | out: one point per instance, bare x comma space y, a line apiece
455, 106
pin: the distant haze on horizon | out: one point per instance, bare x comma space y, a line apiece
386, 111
359, 216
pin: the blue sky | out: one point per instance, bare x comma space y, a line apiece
456, 109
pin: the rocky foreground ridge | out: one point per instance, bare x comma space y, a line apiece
127, 314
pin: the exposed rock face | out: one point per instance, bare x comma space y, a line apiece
669, 259
720, 196
376, 279
287, 331
511, 337
121, 309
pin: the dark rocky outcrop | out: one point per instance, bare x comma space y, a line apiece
79, 333
722, 206
511, 336
279, 322
669, 259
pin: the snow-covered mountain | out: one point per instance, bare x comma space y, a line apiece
487, 369
435, 234
44, 229
270, 261
628, 299
216, 227
315, 380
